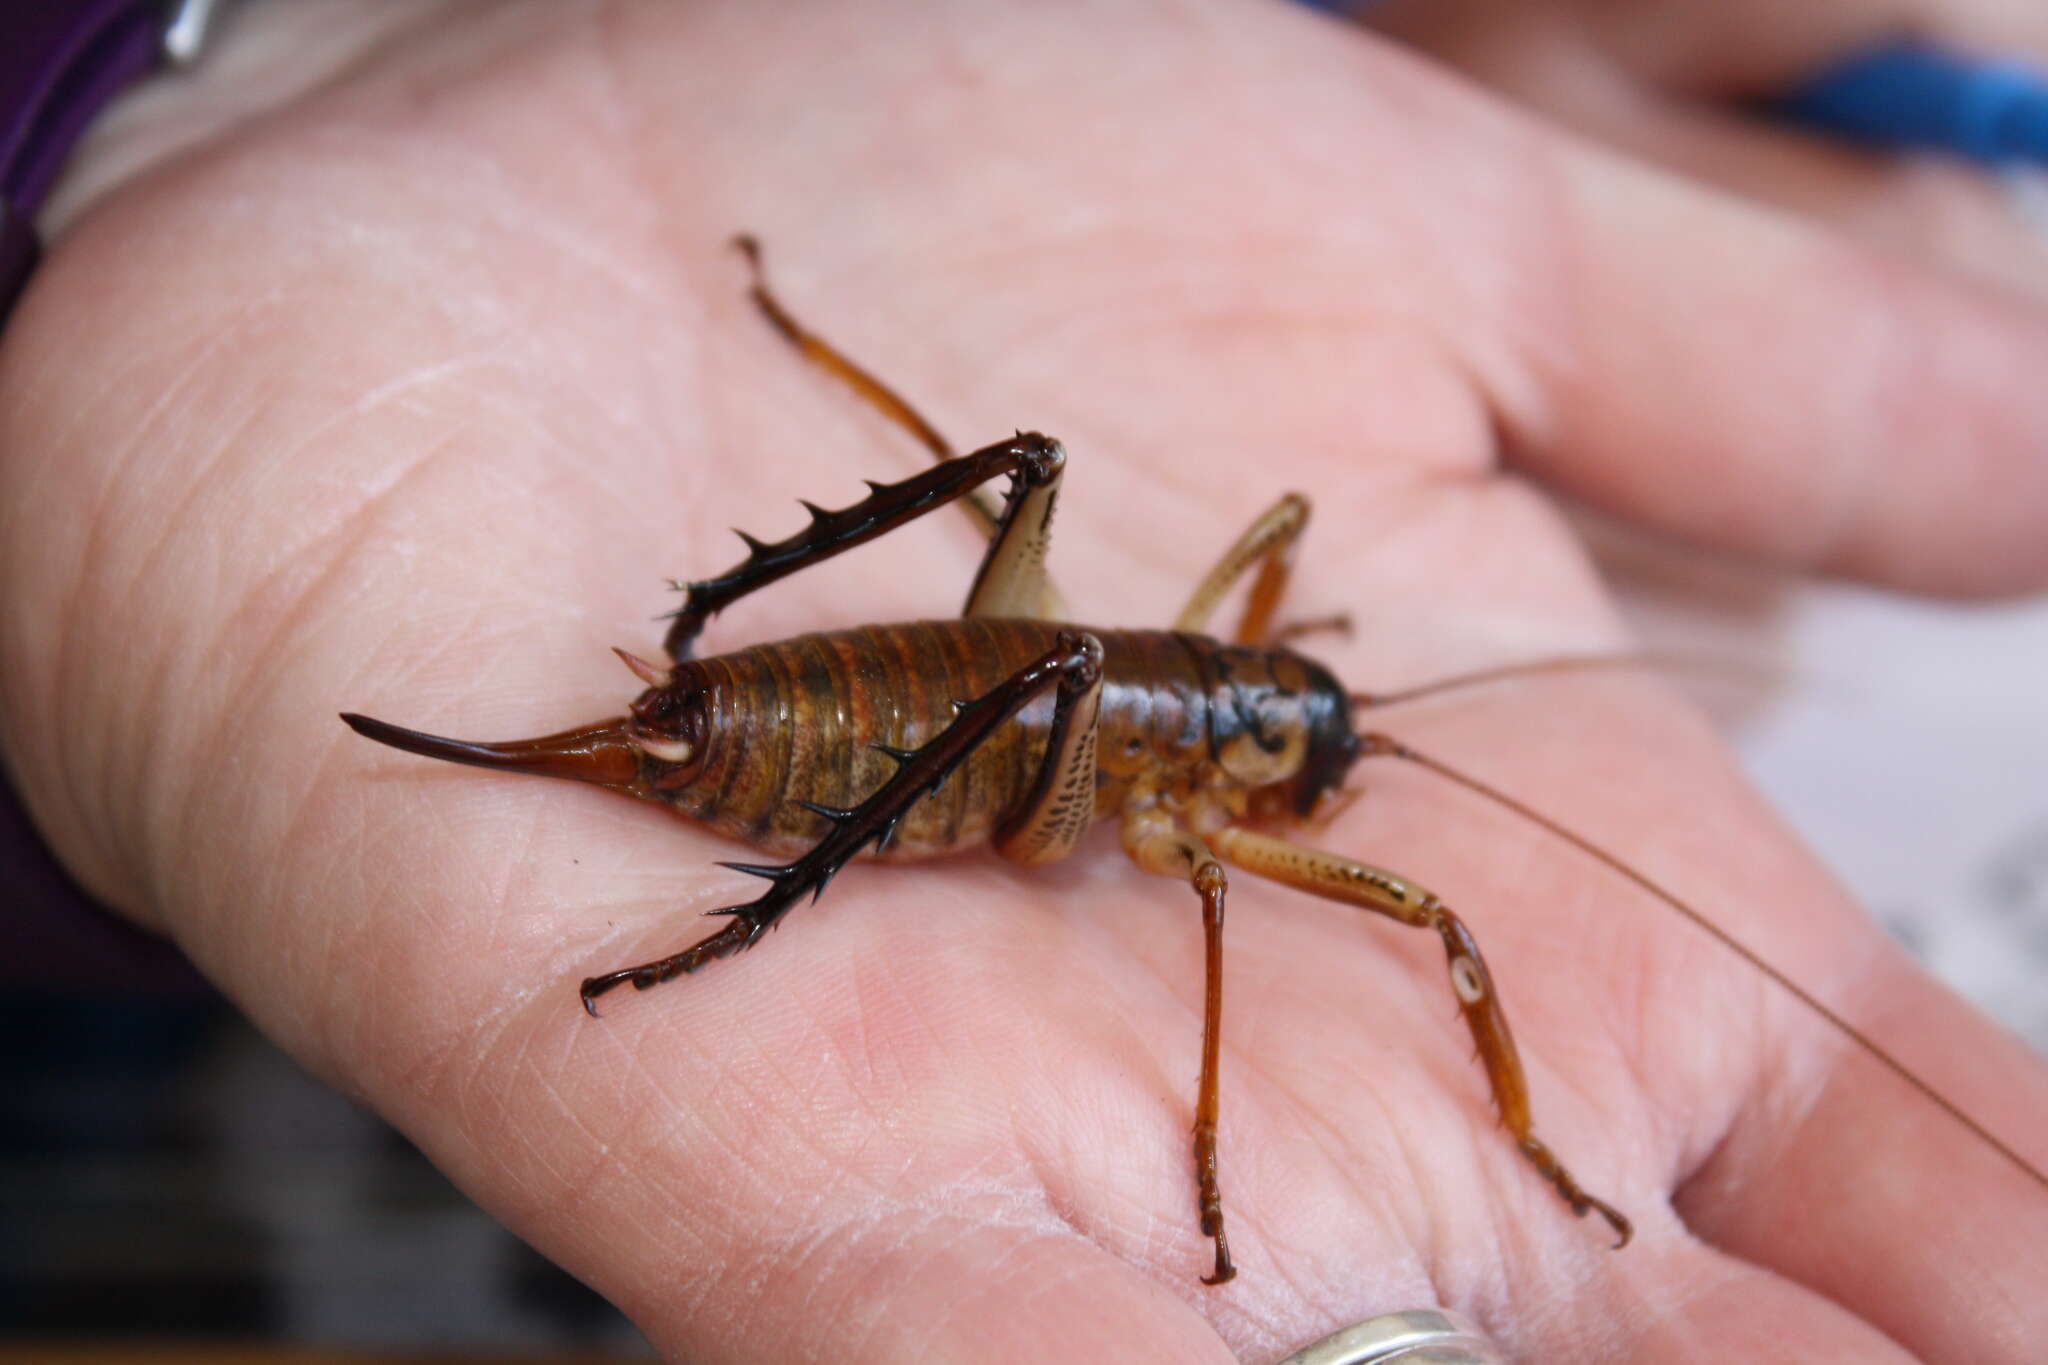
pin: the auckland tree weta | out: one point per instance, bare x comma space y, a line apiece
1009, 728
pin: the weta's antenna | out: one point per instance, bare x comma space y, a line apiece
1562, 663
1377, 745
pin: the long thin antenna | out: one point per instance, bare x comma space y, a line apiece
1562, 663
1376, 745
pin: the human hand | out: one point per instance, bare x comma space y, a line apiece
401, 398
1676, 83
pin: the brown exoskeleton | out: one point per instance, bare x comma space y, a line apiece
1007, 727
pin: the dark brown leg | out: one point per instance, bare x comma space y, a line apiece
1073, 665
1012, 580
1033, 461
1268, 543
1370, 888
1156, 844
840, 366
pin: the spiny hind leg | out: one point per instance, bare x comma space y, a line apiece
1012, 579
1158, 845
1353, 883
1073, 665
853, 375
1033, 462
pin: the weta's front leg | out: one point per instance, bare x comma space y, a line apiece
1369, 888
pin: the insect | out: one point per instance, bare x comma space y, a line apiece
1011, 729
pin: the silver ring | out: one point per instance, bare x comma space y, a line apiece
1420, 1336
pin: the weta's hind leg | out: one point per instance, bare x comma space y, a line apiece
835, 362
1012, 580
855, 376
1034, 462
1073, 665
1061, 805
1369, 888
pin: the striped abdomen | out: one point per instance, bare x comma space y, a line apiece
797, 720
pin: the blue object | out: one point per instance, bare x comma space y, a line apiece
1905, 95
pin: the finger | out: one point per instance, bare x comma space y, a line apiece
1917, 1246
1744, 380
1746, 47
1736, 48
1673, 85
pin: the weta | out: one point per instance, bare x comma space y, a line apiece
1009, 728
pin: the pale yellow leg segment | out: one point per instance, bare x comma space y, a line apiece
1062, 801
1370, 888
1156, 844
1269, 543
1012, 580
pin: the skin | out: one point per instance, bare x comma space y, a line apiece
387, 364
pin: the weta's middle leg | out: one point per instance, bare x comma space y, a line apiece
1158, 845
1268, 545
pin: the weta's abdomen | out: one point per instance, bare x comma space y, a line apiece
799, 720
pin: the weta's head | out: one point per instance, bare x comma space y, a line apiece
658, 747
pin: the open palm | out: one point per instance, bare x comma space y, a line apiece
403, 396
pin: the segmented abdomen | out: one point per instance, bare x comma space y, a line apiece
798, 720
